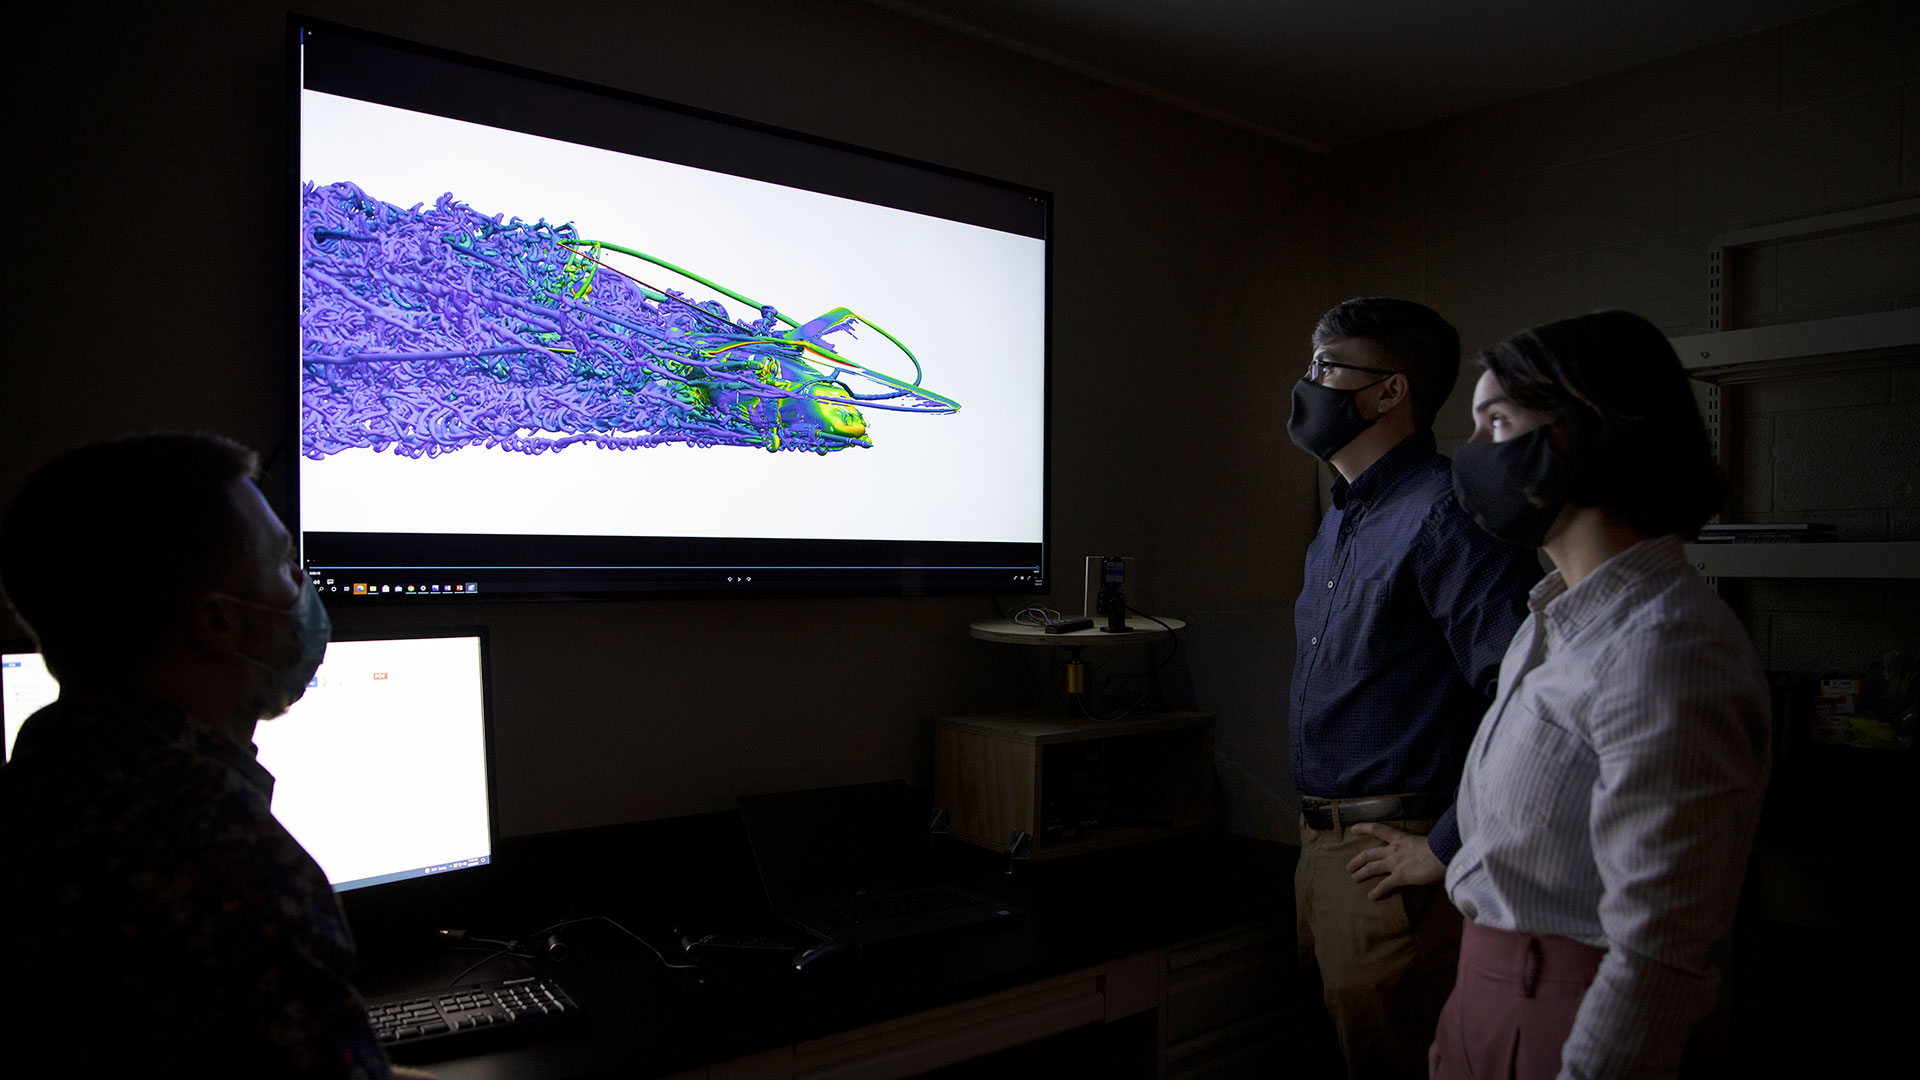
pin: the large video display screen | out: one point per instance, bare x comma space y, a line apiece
555, 339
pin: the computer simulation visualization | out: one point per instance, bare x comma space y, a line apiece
437, 328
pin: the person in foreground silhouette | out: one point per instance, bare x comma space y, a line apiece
157, 919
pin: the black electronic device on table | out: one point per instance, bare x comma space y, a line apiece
829, 955
469, 1019
1112, 599
742, 946
852, 864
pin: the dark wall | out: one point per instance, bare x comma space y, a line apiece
146, 158
1607, 193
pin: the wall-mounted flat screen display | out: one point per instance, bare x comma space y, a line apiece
556, 339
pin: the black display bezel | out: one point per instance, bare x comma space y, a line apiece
604, 567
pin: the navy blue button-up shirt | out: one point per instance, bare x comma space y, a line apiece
1407, 609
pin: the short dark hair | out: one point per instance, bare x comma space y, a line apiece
1419, 342
1636, 444
106, 544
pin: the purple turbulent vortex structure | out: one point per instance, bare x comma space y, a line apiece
436, 328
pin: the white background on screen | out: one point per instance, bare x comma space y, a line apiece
969, 301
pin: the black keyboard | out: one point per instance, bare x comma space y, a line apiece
880, 908
468, 1019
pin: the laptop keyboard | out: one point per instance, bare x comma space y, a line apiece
875, 909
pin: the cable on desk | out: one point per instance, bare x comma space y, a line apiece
658, 955
495, 948
1139, 699
1035, 615
493, 955
1171, 653
517, 948
1171, 633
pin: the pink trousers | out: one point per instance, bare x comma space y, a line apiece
1513, 1004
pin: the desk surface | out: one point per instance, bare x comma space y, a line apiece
1144, 629
644, 1019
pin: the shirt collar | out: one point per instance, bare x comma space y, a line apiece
105, 712
1567, 610
242, 758
1381, 475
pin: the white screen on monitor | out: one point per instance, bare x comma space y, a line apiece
380, 769
26, 687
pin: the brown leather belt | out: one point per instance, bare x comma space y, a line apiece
1417, 806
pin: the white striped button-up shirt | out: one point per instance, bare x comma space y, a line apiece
1611, 795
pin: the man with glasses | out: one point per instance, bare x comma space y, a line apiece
1406, 610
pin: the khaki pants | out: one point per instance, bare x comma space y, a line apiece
1385, 966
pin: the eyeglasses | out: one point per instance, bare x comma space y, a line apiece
1318, 367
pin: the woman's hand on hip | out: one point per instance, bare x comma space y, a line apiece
1403, 859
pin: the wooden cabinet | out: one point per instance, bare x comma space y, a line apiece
1225, 1005
1074, 785
1231, 1004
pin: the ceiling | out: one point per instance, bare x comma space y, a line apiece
1326, 73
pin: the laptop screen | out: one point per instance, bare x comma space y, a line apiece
380, 770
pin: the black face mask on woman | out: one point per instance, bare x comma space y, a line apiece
1324, 419
1491, 481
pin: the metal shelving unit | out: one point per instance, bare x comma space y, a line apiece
1889, 559
1765, 352
1845, 343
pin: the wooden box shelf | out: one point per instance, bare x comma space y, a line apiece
1074, 785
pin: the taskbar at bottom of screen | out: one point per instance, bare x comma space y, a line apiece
450, 585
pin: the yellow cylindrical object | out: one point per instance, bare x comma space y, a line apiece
1076, 676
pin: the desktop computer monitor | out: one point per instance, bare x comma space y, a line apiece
382, 771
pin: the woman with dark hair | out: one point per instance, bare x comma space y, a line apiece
1608, 803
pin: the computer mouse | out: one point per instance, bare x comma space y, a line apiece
827, 954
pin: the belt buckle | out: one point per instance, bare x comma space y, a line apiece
1310, 807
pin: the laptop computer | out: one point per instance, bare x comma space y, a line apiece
853, 864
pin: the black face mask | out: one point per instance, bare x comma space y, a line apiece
1325, 420
1491, 481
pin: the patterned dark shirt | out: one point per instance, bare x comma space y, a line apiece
157, 919
1407, 608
